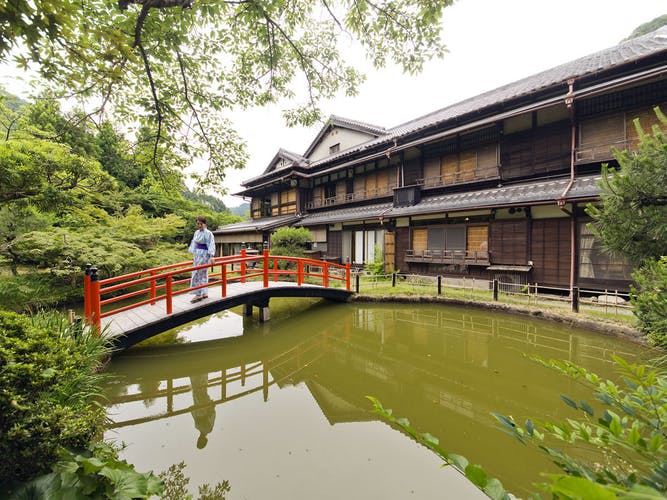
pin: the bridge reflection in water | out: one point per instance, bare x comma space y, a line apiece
444, 368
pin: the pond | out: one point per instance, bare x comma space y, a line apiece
279, 409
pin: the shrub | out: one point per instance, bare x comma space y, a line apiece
290, 241
649, 299
48, 385
376, 266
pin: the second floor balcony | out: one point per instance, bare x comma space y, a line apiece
592, 153
367, 194
461, 177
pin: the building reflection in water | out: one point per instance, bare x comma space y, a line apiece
446, 369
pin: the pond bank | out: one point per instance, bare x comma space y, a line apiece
571, 319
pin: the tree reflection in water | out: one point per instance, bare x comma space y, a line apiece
175, 486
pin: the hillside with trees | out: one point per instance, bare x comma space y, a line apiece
72, 193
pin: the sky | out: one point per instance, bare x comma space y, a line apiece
490, 42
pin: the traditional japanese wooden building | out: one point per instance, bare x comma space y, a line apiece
494, 186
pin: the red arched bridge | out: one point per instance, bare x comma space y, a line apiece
136, 306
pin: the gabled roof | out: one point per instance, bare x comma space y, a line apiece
337, 121
282, 154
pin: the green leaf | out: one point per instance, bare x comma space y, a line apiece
495, 490
429, 438
569, 402
476, 475
585, 406
458, 461
578, 488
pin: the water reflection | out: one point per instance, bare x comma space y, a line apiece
444, 368
203, 410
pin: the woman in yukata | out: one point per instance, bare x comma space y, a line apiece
203, 249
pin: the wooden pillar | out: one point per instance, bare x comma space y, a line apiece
169, 296
299, 272
243, 264
86, 296
153, 288
347, 274
266, 265
96, 308
247, 309
495, 290
223, 280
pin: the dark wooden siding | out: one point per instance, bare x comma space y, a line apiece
402, 243
335, 244
536, 151
508, 242
550, 251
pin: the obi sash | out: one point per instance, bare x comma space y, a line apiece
201, 246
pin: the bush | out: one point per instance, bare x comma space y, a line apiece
376, 266
649, 299
48, 385
290, 241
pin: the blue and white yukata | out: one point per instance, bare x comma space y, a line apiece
202, 248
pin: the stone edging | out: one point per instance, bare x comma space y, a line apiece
606, 328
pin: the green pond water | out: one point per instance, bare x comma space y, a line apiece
279, 409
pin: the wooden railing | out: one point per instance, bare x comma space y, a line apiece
478, 174
366, 194
469, 257
164, 283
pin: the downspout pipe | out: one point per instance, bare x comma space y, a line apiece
562, 200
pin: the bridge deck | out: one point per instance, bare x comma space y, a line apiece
127, 328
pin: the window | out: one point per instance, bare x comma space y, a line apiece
330, 191
595, 263
334, 149
447, 238
283, 203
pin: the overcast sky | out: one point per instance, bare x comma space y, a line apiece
491, 43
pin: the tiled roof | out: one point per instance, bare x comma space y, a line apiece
343, 214
524, 193
533, 192
263, 224
624, 53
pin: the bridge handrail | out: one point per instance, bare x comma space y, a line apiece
163, 279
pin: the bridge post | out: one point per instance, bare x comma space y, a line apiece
153, 288
169, 295
95, 306
266, 265
275, 269
299, 272
264, 313
247, 309
223, 278
86, 295
347, 273
325, 276
243, 264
